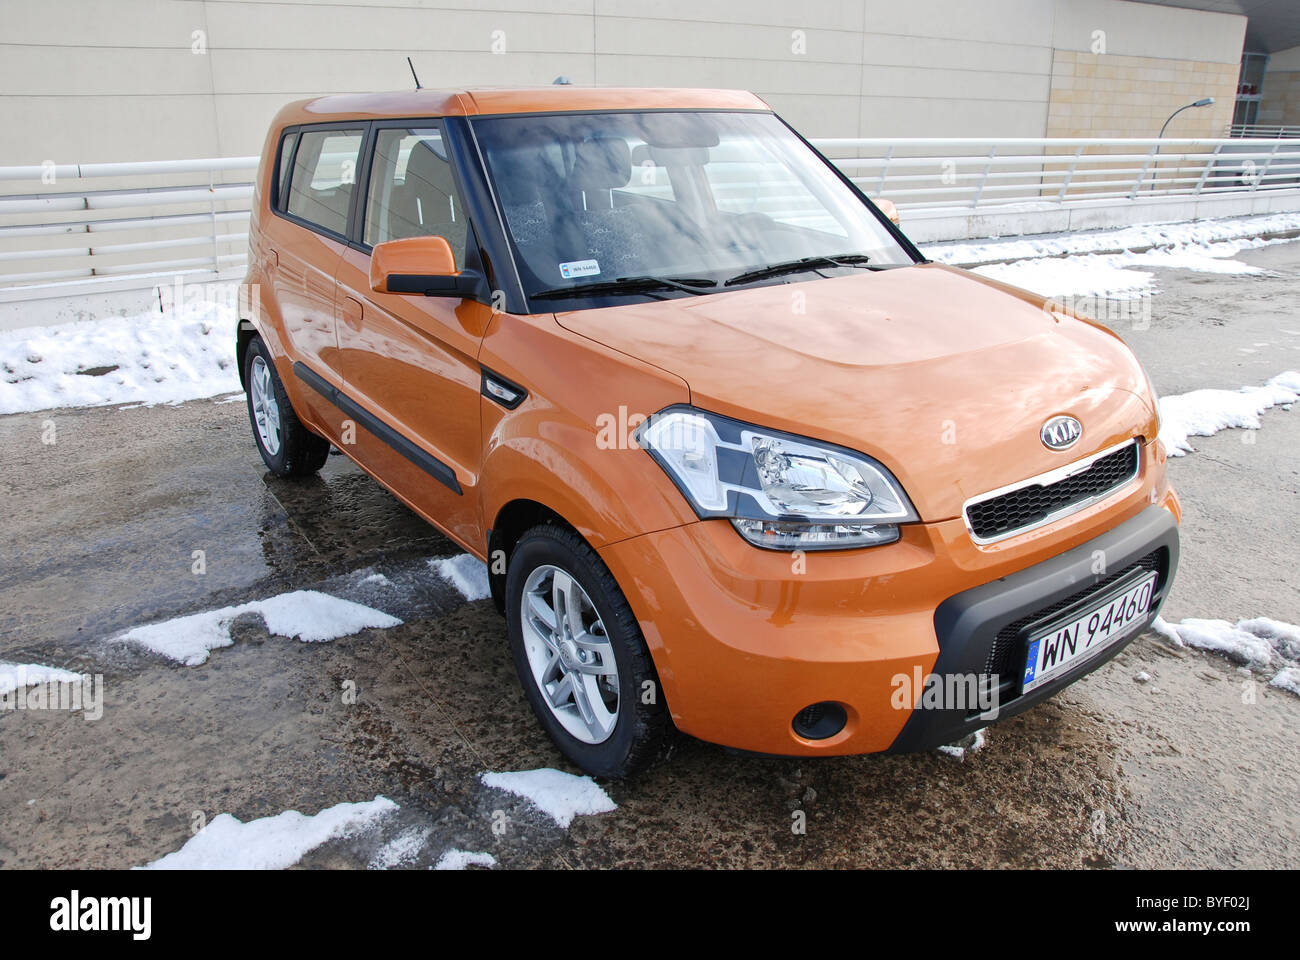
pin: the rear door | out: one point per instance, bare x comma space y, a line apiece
410, 363
308, 236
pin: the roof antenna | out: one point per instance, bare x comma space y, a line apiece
417, 79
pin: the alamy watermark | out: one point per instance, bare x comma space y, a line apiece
37, 691
969, 692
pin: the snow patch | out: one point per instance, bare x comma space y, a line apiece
1089, 276
462, 859
973, 743
1110, 276
1257, 644
559, 795
468, 574
1288, 679
401, 850
16, 676
144, 359
271, 843
306, 615
1203, 413
1202, 233
1239, 646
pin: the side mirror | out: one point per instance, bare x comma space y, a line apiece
888, 208
419, 265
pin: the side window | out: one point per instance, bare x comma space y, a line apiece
324, 172
412, 193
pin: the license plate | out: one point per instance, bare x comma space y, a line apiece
1061, 647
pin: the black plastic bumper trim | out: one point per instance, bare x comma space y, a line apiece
968, 623
425, 461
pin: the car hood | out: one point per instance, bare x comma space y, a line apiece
944, 376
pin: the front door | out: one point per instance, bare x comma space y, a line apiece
410, 363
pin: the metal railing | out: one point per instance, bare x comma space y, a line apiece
61, 222
973, 173
69, 222
1265, 130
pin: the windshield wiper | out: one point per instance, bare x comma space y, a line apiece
794, 266
627, 285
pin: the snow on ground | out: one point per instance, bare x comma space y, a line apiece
559, 795
1101, 263
1087, 276
466, 573
1198, 233
1206, 258
401, 850
271, 843
461, 859
971, 744
1202, 413
159, 358
1110, 275
1288, 679
1258, 644
15, 676
306, 615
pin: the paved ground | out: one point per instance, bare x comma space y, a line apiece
100, 530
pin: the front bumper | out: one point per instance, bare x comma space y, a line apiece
743, 639
984, 625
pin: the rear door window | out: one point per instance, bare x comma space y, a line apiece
323, 178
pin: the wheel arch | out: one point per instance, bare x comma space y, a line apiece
512, 521
243, 337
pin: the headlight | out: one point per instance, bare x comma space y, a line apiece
779, 491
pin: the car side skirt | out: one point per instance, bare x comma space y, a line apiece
425, 461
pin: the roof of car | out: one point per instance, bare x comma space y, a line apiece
497, 100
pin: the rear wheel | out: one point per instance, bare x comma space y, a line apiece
580, 655
287, 447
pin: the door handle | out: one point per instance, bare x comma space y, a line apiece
353, 313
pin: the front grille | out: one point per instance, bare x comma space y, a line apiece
1006, 656
1026, 506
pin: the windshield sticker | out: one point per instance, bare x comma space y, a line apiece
579, 268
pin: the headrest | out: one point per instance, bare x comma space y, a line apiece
517, 173
601, 163
425, 162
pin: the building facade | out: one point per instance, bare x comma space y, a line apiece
88, 80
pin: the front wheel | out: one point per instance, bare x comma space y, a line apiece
287, 447
580, 655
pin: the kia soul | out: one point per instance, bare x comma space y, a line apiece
740, 460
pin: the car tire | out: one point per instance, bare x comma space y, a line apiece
641, 724
287, 447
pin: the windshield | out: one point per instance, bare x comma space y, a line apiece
695, 198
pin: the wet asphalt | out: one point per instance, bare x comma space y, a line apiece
1196, 766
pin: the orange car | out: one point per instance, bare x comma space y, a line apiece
738, 458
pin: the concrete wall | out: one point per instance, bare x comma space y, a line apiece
88, 80
1120, 69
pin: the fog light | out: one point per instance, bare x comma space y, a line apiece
818, 721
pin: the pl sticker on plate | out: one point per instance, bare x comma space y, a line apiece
579, 268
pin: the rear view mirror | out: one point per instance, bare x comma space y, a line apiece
888, 208
419, 265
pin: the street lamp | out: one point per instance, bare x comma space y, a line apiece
1203, 102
